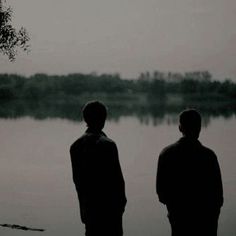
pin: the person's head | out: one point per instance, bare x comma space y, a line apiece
94, 114
190, 123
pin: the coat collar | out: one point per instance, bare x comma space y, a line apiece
189, 141
93, 131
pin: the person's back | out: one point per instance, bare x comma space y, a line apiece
97, 173
99, 182
189, 184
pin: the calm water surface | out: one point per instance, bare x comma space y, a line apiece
36, 188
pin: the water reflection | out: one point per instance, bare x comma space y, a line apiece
150, 112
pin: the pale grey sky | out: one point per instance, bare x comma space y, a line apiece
126, 36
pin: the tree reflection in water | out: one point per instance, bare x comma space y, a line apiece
154, 113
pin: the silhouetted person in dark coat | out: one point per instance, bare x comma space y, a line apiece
189, 181
97, 176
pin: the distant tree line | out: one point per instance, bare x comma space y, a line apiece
196, 85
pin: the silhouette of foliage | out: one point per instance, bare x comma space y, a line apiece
156, 87
51, 96
10, 38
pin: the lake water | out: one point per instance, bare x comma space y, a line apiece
36, 188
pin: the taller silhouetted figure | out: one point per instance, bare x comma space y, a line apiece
189, 181
97, 176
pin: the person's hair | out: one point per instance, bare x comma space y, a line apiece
190, 122
94, 114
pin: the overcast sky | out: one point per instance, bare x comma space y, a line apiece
126, 36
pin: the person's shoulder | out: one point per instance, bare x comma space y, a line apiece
171, 148
208, 152
77, 142
106, 141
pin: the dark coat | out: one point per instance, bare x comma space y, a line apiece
97, 176
189, 180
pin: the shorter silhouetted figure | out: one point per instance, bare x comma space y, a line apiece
189, 181
97, 176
